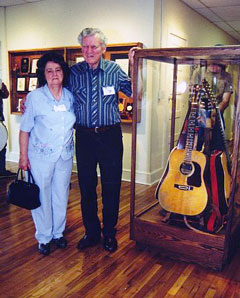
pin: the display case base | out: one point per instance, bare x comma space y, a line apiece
181, 243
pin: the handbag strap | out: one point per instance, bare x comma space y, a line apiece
19, 172
30, 176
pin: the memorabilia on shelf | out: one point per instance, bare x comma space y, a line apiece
125, 106
124, 64
15, 70
32, 84
21, 84
34, 65
19, 104
79, 59
129, 108
25, 65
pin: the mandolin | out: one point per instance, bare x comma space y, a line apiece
182, 188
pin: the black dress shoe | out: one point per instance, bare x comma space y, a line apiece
87, 241
44, 249
110, 244
60, 242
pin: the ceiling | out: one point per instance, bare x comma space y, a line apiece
15, 2
223, 13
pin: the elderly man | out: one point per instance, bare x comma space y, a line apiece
95, 83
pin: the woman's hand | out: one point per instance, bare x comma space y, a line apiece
22, 105
23, 144
24, 162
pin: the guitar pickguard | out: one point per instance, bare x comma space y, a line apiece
195, 178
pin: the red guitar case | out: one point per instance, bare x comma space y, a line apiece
218, 204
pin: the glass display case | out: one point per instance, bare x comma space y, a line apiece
185, 153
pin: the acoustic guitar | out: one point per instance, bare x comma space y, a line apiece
182, 188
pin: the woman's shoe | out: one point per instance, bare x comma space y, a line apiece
44, 249
60, 242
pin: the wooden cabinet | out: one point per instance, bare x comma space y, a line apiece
150, 225
22, 72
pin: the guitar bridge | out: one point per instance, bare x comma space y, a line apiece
183, 187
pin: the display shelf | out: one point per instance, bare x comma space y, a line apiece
23, 79
22, 73
150, 225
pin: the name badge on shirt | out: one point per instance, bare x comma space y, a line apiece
60, 108
109, 90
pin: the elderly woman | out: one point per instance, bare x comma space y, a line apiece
47, 148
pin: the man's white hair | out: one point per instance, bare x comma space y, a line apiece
92, 31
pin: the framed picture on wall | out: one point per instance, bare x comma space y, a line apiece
19, 103
123, 61
34, 65
79, 59
21, 84
25, 65
32, 84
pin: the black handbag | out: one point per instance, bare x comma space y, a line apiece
24, 194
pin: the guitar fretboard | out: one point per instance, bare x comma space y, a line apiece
190, 133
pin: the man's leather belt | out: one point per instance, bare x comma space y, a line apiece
96, 129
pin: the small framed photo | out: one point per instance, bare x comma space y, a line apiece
19, 103
79, 59
21, 84
25, 65
34, 65
32, 84
124, 64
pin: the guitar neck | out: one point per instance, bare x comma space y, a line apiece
224, 140
190, 134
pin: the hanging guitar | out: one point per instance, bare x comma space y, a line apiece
182, 188
219, 123
225, 155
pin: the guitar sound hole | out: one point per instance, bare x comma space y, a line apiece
186, 168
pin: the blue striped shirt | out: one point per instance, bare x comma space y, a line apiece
109, 75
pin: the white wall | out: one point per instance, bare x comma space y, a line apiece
3, 53
4, 63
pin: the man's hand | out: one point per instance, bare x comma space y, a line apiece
131, 54
22, 105
130, 57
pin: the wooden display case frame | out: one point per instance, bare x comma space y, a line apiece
147, 226
22, 74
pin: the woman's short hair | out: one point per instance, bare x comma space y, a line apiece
92, 31
51, 57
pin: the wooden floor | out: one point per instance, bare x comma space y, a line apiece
128, 272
